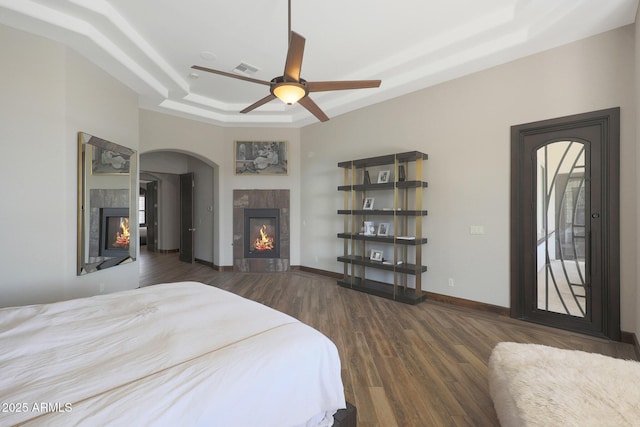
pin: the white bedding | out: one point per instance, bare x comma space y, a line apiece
172, 354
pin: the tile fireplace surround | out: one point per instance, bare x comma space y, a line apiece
260, 199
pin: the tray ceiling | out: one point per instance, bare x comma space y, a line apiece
409, 45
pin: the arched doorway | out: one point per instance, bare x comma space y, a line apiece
165, 167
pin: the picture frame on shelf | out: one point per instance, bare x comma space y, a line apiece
383, 176
369, 228
383, 229
367, 179
376, 255
367, 204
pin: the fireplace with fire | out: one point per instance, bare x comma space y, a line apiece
261, 233
261, 237
114, 232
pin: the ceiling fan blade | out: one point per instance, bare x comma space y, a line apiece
293, 65
313, 108
257, 104
232, 75
342, 85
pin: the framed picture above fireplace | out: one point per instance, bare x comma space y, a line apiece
261, 158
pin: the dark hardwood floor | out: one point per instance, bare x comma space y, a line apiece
402, 365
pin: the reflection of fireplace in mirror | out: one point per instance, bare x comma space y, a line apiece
261, 233
114, 232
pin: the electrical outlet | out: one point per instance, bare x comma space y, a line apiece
451, 283
101, 288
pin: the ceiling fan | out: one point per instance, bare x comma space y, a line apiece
290, 87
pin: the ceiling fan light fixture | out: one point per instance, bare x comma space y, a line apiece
290, 88
289, 92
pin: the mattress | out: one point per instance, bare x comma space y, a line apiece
170, 354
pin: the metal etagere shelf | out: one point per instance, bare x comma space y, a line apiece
405, 237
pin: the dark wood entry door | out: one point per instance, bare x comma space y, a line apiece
187, 230
565, 223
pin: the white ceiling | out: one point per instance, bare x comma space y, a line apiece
408, 44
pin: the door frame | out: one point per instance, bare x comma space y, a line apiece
522, 215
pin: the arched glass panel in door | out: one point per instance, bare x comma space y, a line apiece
561, 228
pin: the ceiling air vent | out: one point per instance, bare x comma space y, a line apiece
245, 69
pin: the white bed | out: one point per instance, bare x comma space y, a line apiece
172, 354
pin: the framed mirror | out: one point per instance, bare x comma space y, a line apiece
107, 204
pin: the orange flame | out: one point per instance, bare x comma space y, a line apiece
264, 242
123, 236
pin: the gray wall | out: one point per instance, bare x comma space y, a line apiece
464, 126
49, 93
635, 254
